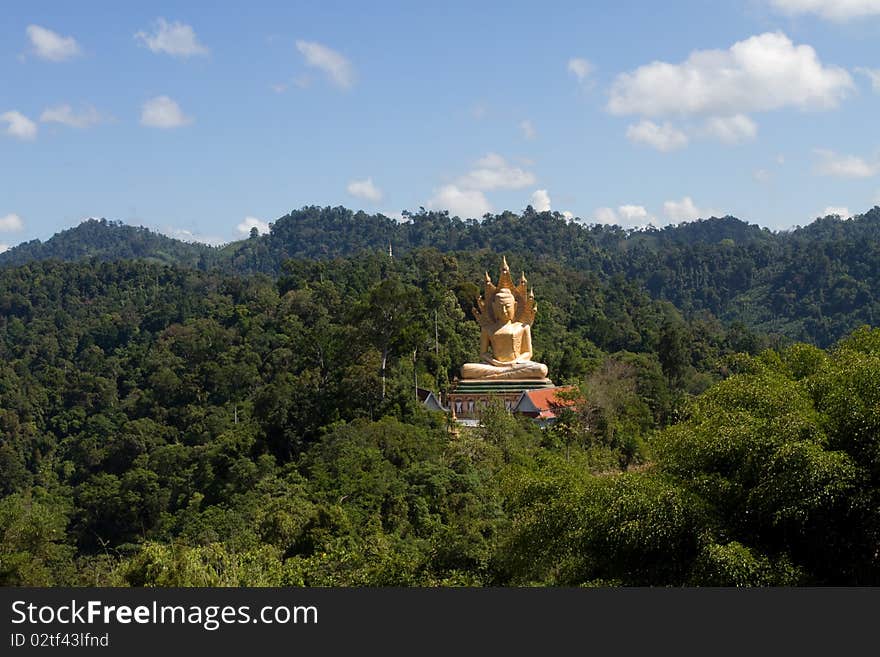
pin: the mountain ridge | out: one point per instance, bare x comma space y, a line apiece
814, 283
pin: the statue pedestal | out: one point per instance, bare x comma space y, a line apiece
470, 396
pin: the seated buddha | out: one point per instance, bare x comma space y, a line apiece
505, 314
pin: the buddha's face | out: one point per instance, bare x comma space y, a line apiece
504, 306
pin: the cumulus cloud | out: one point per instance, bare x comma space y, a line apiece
764, 72
465, 203
18, 125
580, 68
568, 215
365, 189
494, 172
831, 210
665, 137
844, 166
252, 222
634, 213
731, 129
333, 64
465, 196
873, 74
163, 112
683, 210
540, 200
631, 216
606, 216
176, 39
50, 45
65, 115
11, 223
836, 10
528, 129
186, 235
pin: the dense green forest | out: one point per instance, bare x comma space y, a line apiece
178, 414
814, 284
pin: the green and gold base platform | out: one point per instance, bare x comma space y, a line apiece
469, 396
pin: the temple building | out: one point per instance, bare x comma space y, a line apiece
544, 405
506, 371
541, 404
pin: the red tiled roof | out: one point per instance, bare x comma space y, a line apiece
546, 400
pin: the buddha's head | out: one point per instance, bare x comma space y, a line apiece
504, 305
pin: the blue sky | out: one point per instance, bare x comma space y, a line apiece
202, 119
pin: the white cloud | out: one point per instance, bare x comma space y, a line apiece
631, 216
540, 200
186, 235
764, 72
762, 176
841, 211
51, 45
252, 222
494, 172
65, 115
606, 216
465, 196
580, 68
683, 210
335, 65
365, 189
11, 223
634, 213
19, 126
491, 161
873, 74
568, 215
4, 247
465, 203
837, 10
528, 129
176, 39
163, 112
731, 129
664, 137
844, 166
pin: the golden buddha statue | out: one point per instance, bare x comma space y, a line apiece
505, 313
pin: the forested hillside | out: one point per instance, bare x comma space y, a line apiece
111, 240
175, 414
165, 426
814, 284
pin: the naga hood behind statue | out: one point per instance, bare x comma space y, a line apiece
525, 301
505, 341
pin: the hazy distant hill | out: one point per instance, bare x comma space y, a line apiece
319, 233
814, 283
111, 240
